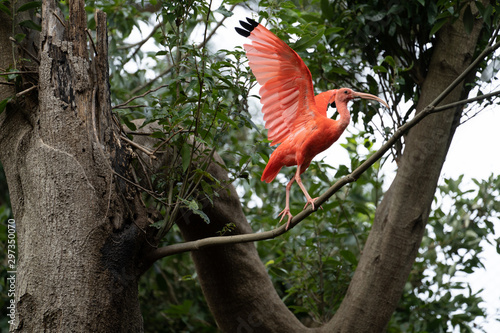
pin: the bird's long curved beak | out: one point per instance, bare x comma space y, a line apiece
370, 96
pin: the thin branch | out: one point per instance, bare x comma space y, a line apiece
59, 19
462, 76
151, 193
20, 72
92, 41
130, 106
138, 146
25, 50
352, 177
24, 92
465, 101
168, 139
140, 43
120, 106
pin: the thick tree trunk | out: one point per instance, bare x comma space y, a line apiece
235, 283
77, 240
400, 219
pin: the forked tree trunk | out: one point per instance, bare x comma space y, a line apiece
81, 227
243, 289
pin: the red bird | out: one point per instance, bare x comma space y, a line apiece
294, 117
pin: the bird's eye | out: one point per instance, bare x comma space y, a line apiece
346, 92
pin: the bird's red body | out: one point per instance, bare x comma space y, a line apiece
295, 118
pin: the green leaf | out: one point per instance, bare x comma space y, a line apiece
202, 215
19, 37
193, 205
381, 69
30, 25
226, 119
129, 124
222, 10
5, 9
487, 14
327, 8
308, 41
390, 61
349, 256
179, 310
468, 20
30, 5
333, 30
3, 104
439, 24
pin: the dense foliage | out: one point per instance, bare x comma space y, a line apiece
200, 96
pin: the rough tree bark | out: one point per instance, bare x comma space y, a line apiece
77, 233
401, 217
80, 226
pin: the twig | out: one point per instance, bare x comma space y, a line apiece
24, 92
57, 16
119, 106
138, 146
131, 106
151, 193
92, 41
352, 177
140, 43
20, 72
139, 133
168, 139
465, 101
24, 49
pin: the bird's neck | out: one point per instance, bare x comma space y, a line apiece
345, 116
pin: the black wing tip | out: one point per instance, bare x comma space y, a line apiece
247, 28
252, 22
242, 32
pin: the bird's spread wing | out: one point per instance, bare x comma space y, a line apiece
287, 90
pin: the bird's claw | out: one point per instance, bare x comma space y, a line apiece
284, 212
311, 201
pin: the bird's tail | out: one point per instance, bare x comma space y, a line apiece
271, 170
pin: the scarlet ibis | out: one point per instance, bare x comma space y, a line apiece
294, 117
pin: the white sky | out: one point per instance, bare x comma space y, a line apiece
473, 152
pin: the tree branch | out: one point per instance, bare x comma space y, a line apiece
121, 106
465, 101
352, 177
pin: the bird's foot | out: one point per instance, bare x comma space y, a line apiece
311, 202
284, 212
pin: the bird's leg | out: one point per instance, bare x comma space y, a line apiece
308, 197
286, 211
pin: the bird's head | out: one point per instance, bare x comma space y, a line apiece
331, 100
344, 95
